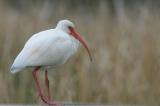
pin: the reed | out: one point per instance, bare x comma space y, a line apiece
125, 49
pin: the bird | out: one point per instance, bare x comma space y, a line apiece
49, 49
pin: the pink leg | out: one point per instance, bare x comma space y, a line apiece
34, 73
47, 85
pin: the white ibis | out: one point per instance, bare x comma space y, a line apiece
49, 48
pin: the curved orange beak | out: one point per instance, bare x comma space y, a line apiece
79, 37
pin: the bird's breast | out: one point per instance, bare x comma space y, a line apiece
62, 51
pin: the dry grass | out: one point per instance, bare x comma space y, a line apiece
125, 49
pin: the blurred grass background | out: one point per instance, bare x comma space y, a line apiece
124, 37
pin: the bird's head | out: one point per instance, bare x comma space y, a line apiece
68, 27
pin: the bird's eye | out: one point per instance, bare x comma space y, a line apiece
70, 28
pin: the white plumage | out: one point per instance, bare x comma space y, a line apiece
47, 48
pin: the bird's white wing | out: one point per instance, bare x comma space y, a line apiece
47, 48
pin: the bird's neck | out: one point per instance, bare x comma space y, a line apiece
75, 44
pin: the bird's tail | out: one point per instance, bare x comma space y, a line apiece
15, 69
